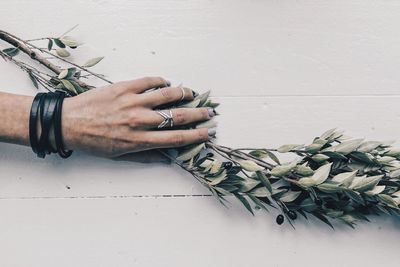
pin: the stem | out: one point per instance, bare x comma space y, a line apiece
24, 47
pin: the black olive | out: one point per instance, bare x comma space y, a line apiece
210, 155
228, 165
280, 219
292, 214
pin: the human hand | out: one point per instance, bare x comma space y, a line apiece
118, 119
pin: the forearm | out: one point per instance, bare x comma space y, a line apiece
14, 118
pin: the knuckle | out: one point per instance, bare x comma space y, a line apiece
202, 134
178, 139
167, 94
135, 120
180, 117
204, 113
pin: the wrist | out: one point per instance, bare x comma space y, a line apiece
14, 114
68, 124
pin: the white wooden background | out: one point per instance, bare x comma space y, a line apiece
284, 71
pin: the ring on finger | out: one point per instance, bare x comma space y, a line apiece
183, 93
168, 118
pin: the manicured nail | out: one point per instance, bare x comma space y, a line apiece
211, 112
212, 131
168, 83
195, 93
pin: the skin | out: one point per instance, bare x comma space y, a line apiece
113, 121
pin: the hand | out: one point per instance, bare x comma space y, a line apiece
118, 119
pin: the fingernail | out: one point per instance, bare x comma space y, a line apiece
168, 83
211, 112
212, 131
195, 93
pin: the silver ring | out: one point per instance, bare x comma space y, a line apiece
168, 119
183, 93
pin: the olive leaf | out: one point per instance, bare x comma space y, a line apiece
92, 62
69, 41
289, 147
190, 153
69, 86
11, 52
290, 196
62, 52
249, 165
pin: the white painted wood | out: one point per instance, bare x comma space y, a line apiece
178, 232
284, 71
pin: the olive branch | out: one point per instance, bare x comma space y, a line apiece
335, 177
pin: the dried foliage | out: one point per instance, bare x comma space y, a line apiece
333, 178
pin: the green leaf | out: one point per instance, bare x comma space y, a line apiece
355, 196
329, 187
69, 86
368, 146
222, 191
334, 155
362, 157
34, 80
11, 51
348, 219
250, 165
347, 147
191, 152
248, 185
376, 190
388, 200
290, 196
303, 170
69, 41
258, 153
50, 45
363, 183
308, 205
319, 157
273, 157
322, 173
289, 147
264, 180
257, 202
203, 98
78, 88
62, 52
59, 43
244, 202
260, 192
283, 169
92, 62
345, 178
316, 145
221, 177
67, 73
328, 133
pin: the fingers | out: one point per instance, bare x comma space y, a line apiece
177, 138
166, 95
143, 84
181, 116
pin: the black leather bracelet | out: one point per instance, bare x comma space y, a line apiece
33, 138
58, 129
47, 107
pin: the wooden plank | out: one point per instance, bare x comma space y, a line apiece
238, 47
251, 121
178, 232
